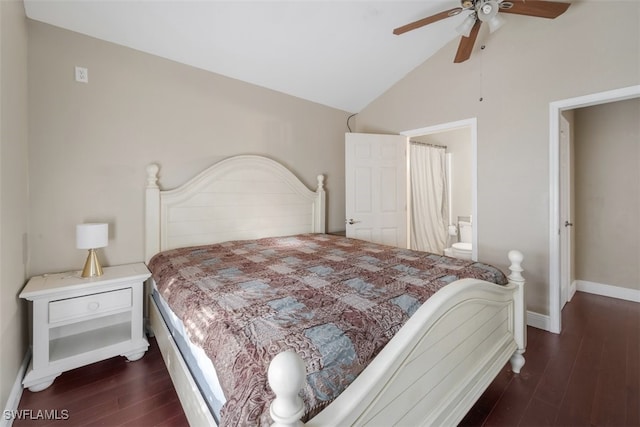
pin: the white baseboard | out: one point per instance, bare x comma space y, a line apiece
537, 320
608, 290
573, 288
16, 393
542, 321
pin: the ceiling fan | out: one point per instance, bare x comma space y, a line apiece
487, 11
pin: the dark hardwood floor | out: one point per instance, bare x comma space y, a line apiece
113, 392
588, 375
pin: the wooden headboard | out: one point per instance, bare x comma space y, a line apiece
242, 197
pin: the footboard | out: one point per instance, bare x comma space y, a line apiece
433, 370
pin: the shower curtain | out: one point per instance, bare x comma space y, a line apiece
429, 205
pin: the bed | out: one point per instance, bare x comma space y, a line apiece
434, 367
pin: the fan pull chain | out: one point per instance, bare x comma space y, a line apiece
481, 73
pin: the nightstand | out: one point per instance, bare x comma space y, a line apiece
78, 321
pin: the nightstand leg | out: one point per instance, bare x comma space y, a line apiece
42, 383
135, 356
137, 352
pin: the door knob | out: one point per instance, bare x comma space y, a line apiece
568, 224
351, 221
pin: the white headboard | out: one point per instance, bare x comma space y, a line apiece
242, 197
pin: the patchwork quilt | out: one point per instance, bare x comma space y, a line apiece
334, 301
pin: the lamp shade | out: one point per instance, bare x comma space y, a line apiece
92, 236
495, 23
487, 9
464, 29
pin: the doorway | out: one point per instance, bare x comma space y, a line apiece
567, 193
469, 206
560, 197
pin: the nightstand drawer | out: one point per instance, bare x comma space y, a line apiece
89, 305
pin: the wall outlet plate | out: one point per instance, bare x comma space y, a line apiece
82, 75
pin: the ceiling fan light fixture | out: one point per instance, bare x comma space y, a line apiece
495, 23
506, 5
464, 29
487, 10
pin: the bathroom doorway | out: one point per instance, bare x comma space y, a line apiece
460, 140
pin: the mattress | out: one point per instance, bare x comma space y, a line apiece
333, 300
199, 364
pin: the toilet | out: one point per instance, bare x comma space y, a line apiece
463, 248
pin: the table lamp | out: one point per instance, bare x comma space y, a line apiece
92, 236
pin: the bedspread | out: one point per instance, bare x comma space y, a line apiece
335, 301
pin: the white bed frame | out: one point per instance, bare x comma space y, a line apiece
430, 373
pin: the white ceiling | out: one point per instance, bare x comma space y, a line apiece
339, 53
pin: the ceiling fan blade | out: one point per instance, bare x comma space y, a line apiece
538, 8
428, 20
466, 44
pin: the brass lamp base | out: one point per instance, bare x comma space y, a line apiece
92, 266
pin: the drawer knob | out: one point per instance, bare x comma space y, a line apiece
94, 305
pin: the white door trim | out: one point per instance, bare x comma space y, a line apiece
566, 214
555, 108
472, 124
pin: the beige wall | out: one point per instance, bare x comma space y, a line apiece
13, 191
607, 178
90, 143
526, 65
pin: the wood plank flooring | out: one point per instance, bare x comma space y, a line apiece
113, 392
588, 375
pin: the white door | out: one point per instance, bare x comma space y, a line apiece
566, 219
376, 188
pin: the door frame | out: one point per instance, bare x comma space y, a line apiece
472, 124
567, 280
555, 110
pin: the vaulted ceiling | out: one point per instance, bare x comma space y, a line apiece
339, 53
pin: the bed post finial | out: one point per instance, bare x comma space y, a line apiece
152, 213
152, 175
319, 206
516, 269
520, 332
286, 377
